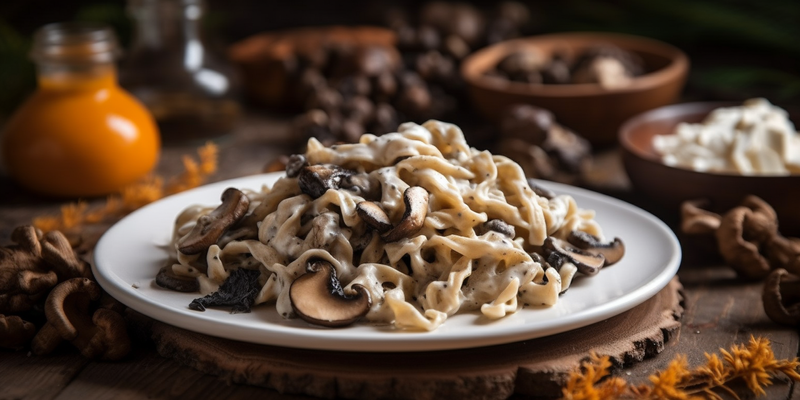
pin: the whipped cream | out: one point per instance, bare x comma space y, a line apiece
755, 138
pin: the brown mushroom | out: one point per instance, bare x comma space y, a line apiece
540, 190
318, 298
588, 263
374, 216
740, 237
24, 276
295, 163
212, 226
697, 221
99, 335
781, 297
496, 225
15, 333
58, 253
315, 180
168, 279
416, 202
612, 251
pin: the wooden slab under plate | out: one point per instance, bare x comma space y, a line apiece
536, 368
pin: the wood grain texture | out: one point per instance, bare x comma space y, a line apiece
536, 368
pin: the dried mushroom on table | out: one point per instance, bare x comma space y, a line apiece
47, 297
749, 241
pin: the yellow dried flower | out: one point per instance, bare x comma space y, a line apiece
132, 197
754, 363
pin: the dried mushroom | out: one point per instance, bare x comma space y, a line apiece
416, 202
612, 251
741, 237
318, 298
695, 220
25, 277
15, 333
212, 226
238, 291
781, 297
101, 334
587, 262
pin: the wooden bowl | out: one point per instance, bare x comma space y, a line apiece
670, 186
592, 111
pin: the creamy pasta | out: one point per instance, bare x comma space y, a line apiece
450, 264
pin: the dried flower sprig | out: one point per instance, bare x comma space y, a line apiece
754, 363
132, 197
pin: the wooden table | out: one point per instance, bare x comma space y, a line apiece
720, 310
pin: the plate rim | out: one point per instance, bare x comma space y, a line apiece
287, 336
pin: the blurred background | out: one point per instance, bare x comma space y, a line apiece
738, 48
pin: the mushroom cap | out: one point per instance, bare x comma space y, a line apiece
781, 297
587, 263
740, 234
211, 227
612, 251
416, 202
67, 306
318, 298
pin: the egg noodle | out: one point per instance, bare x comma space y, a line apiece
418, 281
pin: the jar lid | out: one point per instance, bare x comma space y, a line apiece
75, 42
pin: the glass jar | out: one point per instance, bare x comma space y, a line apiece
79, 133
170, 69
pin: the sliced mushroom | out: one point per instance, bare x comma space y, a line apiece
541, 191
496, 225
374, 216
612, 251
781, 297
212, 226
318, 298
168, 279
363, 185
416, 201
315, 180
295, 164
588, 263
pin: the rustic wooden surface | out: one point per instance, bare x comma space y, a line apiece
720, 310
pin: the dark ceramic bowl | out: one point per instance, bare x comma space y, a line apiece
592, 111
670, 186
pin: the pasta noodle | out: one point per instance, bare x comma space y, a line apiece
452, 264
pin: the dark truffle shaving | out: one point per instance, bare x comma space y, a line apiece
238, 291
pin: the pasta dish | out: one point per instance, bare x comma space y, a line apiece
407, 229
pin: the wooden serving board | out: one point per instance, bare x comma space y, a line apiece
536, 368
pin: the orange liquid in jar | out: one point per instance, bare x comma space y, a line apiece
80, 134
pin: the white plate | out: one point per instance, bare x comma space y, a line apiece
129, 255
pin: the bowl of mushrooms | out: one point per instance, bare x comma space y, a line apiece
592, 82
718, 153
